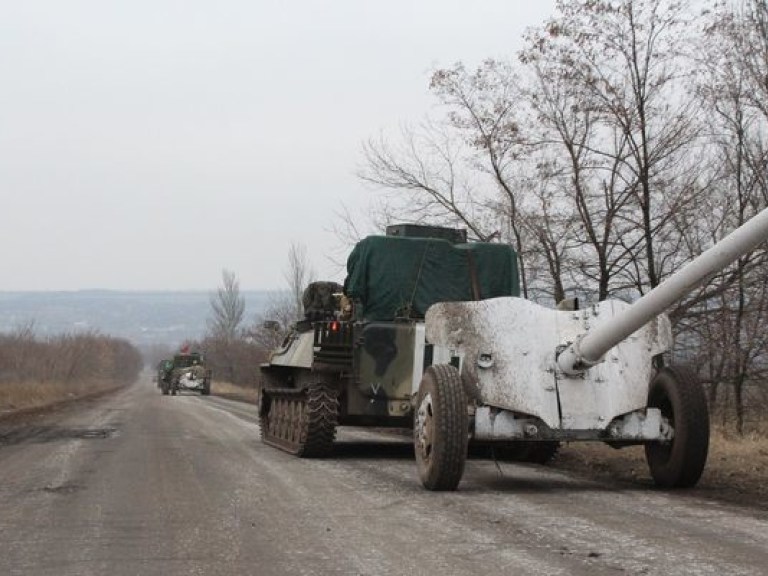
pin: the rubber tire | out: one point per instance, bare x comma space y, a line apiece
206, 391
441, 464
679, 395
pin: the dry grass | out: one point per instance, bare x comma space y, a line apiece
736, 470
228, 390
739, 463
29, 395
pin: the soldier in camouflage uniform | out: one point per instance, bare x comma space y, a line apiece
320, 300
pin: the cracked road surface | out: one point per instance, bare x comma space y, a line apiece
137, 483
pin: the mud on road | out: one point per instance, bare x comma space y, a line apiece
138, 483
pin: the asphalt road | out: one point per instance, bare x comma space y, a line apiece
142, 484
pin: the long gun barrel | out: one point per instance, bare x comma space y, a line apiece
589, 349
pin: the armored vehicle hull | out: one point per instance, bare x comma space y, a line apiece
320, 379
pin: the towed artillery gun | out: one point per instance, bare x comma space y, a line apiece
186, 371
506, 371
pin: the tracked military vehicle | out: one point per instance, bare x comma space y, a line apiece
358, 355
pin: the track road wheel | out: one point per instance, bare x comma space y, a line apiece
680, 397
312, 421
441, 428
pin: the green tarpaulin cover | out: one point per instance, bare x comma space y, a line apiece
396, 277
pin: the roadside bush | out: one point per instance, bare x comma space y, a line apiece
67, 359
233, 360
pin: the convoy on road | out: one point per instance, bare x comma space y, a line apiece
429, 332
358, 354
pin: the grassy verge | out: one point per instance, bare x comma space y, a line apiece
30, 395
228, 390
736, 470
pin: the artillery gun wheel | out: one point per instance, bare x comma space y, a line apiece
680, 397
301, 422
440, 433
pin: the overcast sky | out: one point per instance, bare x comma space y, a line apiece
148, 144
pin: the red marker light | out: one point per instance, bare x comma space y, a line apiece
334, 326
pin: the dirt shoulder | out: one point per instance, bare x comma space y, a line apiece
736, 470
232, 392
29, 397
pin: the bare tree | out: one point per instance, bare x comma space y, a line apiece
283, 307
225, 346
584, 167
227, 308
297, 275
610, 89
579, 185
744, 24
425, 171
349, 227
458, 172
726, 320
235, 361
274, 323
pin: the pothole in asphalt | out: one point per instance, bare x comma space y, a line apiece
43, 434
94, 433
63, 489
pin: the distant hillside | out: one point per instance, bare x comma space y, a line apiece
145, 318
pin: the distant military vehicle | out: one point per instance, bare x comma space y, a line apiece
164, 368
358, 355
186, 371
